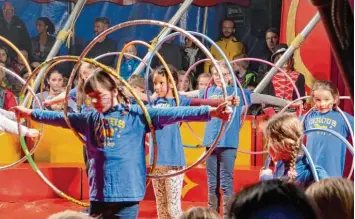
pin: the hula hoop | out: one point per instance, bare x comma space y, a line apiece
157, 23
240, 60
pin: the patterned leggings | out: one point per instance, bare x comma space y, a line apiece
168, 193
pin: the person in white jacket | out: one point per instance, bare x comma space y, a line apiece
8, 125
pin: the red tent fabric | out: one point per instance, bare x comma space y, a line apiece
164, 2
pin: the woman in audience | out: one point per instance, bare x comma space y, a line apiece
334, 197
43, 42
272, 199
55, 82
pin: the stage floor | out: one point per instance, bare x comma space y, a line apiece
44, 208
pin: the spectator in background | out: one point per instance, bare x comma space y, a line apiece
55, 86
334, 197
43, 42
200, 213
7, 98
105, 44
192, 54
243, 73
4, 56
184, 83
129, 64
171, 53
272, 38
272, 199
14, 29
228, 43
18, 65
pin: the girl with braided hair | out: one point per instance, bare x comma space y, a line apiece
284, 134
115, 134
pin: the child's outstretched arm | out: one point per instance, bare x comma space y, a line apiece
167, 116
191, 94
8, 114
57, 99
257, 98
77, 120
9, 126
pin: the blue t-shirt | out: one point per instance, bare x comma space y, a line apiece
231, 138
327, 150
84, 108
115, 145
170, 147
128, 67
304, 174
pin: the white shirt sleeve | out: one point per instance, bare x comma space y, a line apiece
9, 126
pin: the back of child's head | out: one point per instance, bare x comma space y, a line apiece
272, 199
137, 81
284, 133
199, 213
161, 70
327, 86
69, 215
334, 197
243, 64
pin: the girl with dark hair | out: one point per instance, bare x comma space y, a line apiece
115, 134
272, 199
55, 86
43, 42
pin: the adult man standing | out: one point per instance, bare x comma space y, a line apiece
228, 43
14, 29
105, 44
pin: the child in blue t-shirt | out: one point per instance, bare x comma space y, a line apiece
129, 63
170, 159
115, 143
284, 134
220, 163
327, 150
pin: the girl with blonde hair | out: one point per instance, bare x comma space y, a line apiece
284, 135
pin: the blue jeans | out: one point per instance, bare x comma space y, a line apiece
220, 166
114, 210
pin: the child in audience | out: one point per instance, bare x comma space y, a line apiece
334, 197
284, 134
114, 135
327, 150
244, 75
129, 64
199, 213
272, 199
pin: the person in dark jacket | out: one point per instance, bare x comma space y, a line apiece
14, 29
43, 42
105, 44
